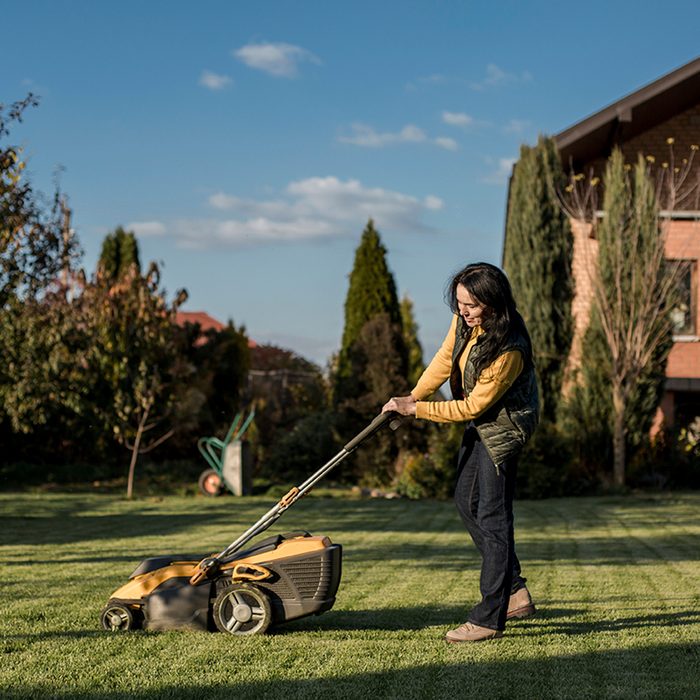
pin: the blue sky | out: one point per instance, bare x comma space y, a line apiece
248, 143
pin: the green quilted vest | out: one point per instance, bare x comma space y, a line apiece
510, 422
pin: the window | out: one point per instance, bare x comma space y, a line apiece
684, 312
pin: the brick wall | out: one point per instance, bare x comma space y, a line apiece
683, 243
582, 266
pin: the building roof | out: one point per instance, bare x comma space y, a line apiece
653, 104
206, 323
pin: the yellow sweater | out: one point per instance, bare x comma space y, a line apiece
492, 383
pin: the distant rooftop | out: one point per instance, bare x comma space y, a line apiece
205, 321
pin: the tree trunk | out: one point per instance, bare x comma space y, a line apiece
135, 454
619, 435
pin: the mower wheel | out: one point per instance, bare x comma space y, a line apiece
242, 609
210, 483
117, 617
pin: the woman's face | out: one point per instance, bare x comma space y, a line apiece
469, 308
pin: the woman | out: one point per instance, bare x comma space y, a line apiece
487, 356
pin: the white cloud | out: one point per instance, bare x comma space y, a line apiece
433, 202
281, 60
368, 137
501, 170
457, 119
234, 233
447, 143
146, 228
316, 208
496, 76
214, 81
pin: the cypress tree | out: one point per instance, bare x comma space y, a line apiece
120, 251
371, 293
537, 259
373, 361
413, 346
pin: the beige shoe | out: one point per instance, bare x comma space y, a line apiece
469, 632
520, 605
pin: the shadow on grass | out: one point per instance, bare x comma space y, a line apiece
590, 551
668, 671
549, 621
59, 520
544, 624
66, 530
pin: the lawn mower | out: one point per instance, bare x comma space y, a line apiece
240, 591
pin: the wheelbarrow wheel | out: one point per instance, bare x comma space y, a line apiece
242, 609
210, 483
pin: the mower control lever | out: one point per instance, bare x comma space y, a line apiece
205, 567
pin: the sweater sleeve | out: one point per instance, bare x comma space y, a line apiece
438, 371
493, 382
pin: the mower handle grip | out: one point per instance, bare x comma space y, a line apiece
372, 428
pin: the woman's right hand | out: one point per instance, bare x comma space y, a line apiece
405, 405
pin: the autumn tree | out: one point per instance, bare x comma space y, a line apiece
41, 344
634, 285
141, 377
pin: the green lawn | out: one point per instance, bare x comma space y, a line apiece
616, 580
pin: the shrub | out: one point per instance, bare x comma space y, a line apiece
430, 474
545, 465
302, 450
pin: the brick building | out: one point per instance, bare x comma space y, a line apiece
642, 122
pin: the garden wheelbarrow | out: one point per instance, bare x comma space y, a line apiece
227, 460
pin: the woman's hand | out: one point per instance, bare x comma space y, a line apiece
405, 405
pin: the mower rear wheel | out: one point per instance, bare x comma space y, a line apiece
242, 609
210, 483
117, 617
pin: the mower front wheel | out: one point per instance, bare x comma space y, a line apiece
242, 609
210, 483
117, 617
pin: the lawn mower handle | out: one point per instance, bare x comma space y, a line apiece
211, 564
373, 427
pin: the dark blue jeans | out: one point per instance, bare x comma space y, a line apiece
484, 498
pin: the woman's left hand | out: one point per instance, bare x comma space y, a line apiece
405, 405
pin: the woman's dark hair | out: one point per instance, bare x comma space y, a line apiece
488, 285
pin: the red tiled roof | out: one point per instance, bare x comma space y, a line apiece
205, 321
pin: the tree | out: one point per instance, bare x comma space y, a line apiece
120, 251
410, 337
40, 337
373, 359
372, 292
633, 284
140, 375
537, 259
289, 392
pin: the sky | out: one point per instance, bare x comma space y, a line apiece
247, 143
